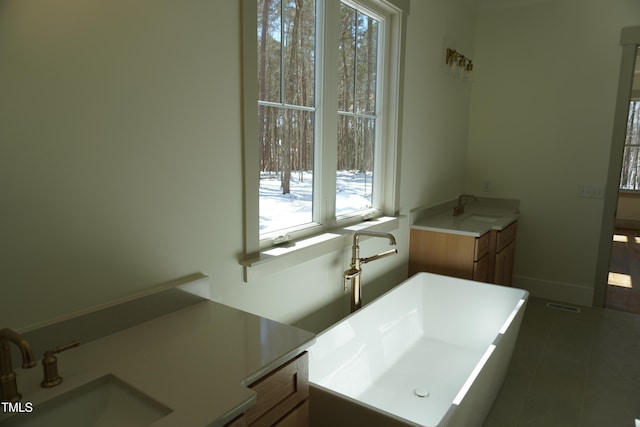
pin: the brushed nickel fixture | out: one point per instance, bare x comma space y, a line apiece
459, 208
355, 269
50, 365
8, 383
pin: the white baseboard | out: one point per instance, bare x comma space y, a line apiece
557, 291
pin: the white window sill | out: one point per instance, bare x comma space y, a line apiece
279, 258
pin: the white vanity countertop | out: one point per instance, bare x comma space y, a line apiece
197, 361
480, 216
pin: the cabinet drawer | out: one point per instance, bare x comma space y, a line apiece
280, 392
482, 247
506, 236
299, 417
240, 421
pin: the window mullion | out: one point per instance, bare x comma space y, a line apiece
283, 50
327, 84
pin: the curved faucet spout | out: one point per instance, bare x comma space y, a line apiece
8, 383
357, 234
28, 361
459, 208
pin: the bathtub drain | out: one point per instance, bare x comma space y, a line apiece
420, 392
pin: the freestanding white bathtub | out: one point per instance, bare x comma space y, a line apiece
433, 351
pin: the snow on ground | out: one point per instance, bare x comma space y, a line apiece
279, 211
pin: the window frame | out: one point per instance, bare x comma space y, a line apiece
633, 104
634, 98
257, 251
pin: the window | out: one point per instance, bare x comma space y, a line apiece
357, 113
321, 122
630, 176
286, 112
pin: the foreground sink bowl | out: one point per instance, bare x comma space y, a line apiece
106, 401
483, 218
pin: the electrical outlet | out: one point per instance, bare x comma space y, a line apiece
486, 185
590, 191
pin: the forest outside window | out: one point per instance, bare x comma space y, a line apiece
286, 112
327, 87
630, 176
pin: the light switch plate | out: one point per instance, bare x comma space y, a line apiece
591, 191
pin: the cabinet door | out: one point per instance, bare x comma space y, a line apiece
503, 273
280, 392
481, 269
482, 245
506, 236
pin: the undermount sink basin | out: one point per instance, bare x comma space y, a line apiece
483, 218
106, 401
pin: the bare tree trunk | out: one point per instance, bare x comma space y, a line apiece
293, 124
262, 67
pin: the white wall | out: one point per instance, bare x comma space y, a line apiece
120, 164
541, 123
436, 113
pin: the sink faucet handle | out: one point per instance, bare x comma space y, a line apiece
50, 365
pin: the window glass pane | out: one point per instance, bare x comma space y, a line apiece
629, 179
346, 58
633, 124
358, 60
630, 175
299, 52
366, 64
354, 180
286, 168
286, 113
269, 50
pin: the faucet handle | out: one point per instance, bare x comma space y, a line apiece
350, 274
50, 365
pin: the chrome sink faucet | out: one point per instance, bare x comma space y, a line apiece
355, 269
8, 382
459, 208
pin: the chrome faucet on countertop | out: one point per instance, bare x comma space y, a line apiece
459, 209
8, 382
355, 270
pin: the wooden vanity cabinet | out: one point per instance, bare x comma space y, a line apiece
282, 397
488, 258
456, 255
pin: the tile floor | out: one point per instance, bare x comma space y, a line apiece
572, 369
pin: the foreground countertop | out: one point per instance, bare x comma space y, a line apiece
480, 216
197, 361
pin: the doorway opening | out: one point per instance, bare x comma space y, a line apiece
623, 281
623, 284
